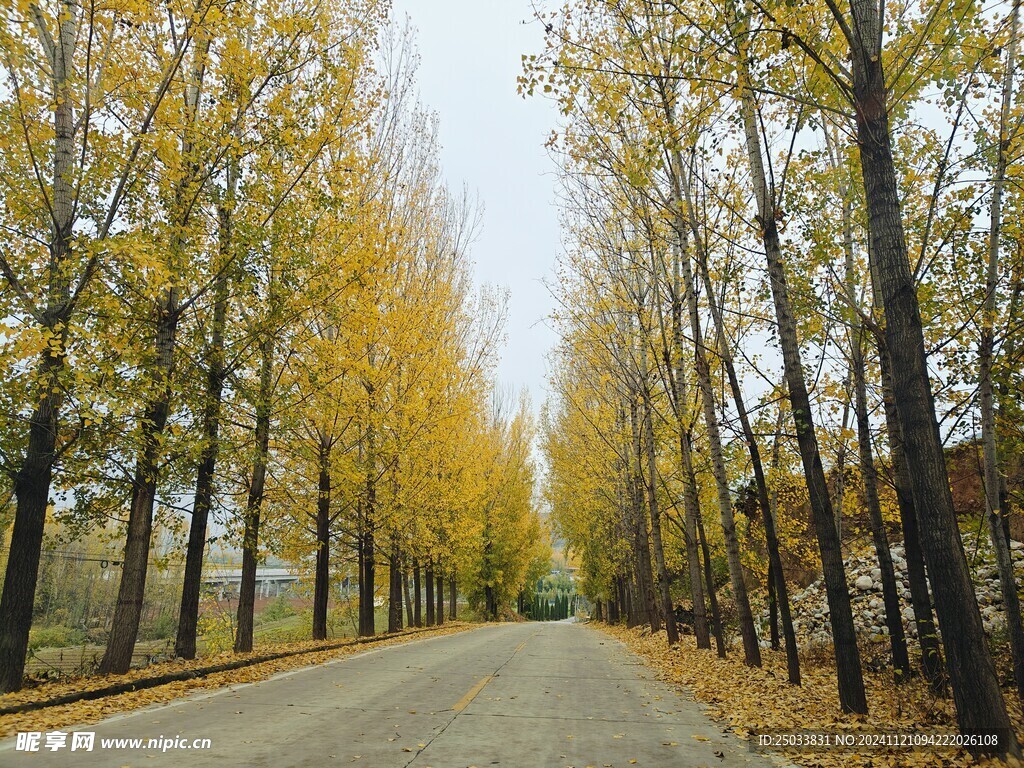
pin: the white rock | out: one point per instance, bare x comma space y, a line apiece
864, 583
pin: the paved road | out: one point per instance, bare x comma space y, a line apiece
519, 695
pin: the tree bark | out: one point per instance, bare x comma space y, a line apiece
452, 599
368, 574
32, 491
439, 615
751, 649
418, 596
994, 512
647, 609
716, 616
35, 474
869, 476
979, 702
322, 580
131, 593
852, 697
869, 486
254, 502
690, 492
407, 593
428, 577
367, 582
188, 613
917, 578
394, 590
651, 484
778, 591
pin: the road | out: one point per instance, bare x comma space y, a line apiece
518, 695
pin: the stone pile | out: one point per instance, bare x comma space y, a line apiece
810, 606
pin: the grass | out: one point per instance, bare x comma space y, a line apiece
78, 659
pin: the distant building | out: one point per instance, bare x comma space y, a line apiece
270, 582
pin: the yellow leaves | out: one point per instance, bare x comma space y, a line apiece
748, 700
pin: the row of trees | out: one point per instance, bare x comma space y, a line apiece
236, 288
793, 249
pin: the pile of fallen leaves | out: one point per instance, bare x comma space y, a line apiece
752, 700
84, 712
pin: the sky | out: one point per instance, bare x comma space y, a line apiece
493, 142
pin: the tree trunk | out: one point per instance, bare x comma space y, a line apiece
628, 590
751, 649
840, 468
452, 599
869, 486
35, 474
716, 617
979, 702
410, 619
368, 576
322, 581
917, 578
188, 613
994, 512
778, 589
428, 577
869, 476
439, 615
418, 596
690, 491
647, 607
254, 502
671, 629
691, 512
131, 593
394, 590
852, 697
367, 586
32, 490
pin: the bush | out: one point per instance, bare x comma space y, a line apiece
277, 610
217, 631
56, 636
163, 626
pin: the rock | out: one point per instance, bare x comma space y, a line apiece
810, 607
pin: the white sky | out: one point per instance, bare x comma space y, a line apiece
492, 141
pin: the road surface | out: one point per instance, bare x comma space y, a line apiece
542, 695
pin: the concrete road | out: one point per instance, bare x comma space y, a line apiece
532, 695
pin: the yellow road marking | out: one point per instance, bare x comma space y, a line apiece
471, 694
519, 647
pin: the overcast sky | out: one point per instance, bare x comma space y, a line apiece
492, 140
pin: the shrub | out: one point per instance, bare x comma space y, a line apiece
277, 610
56, 636
217, 631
